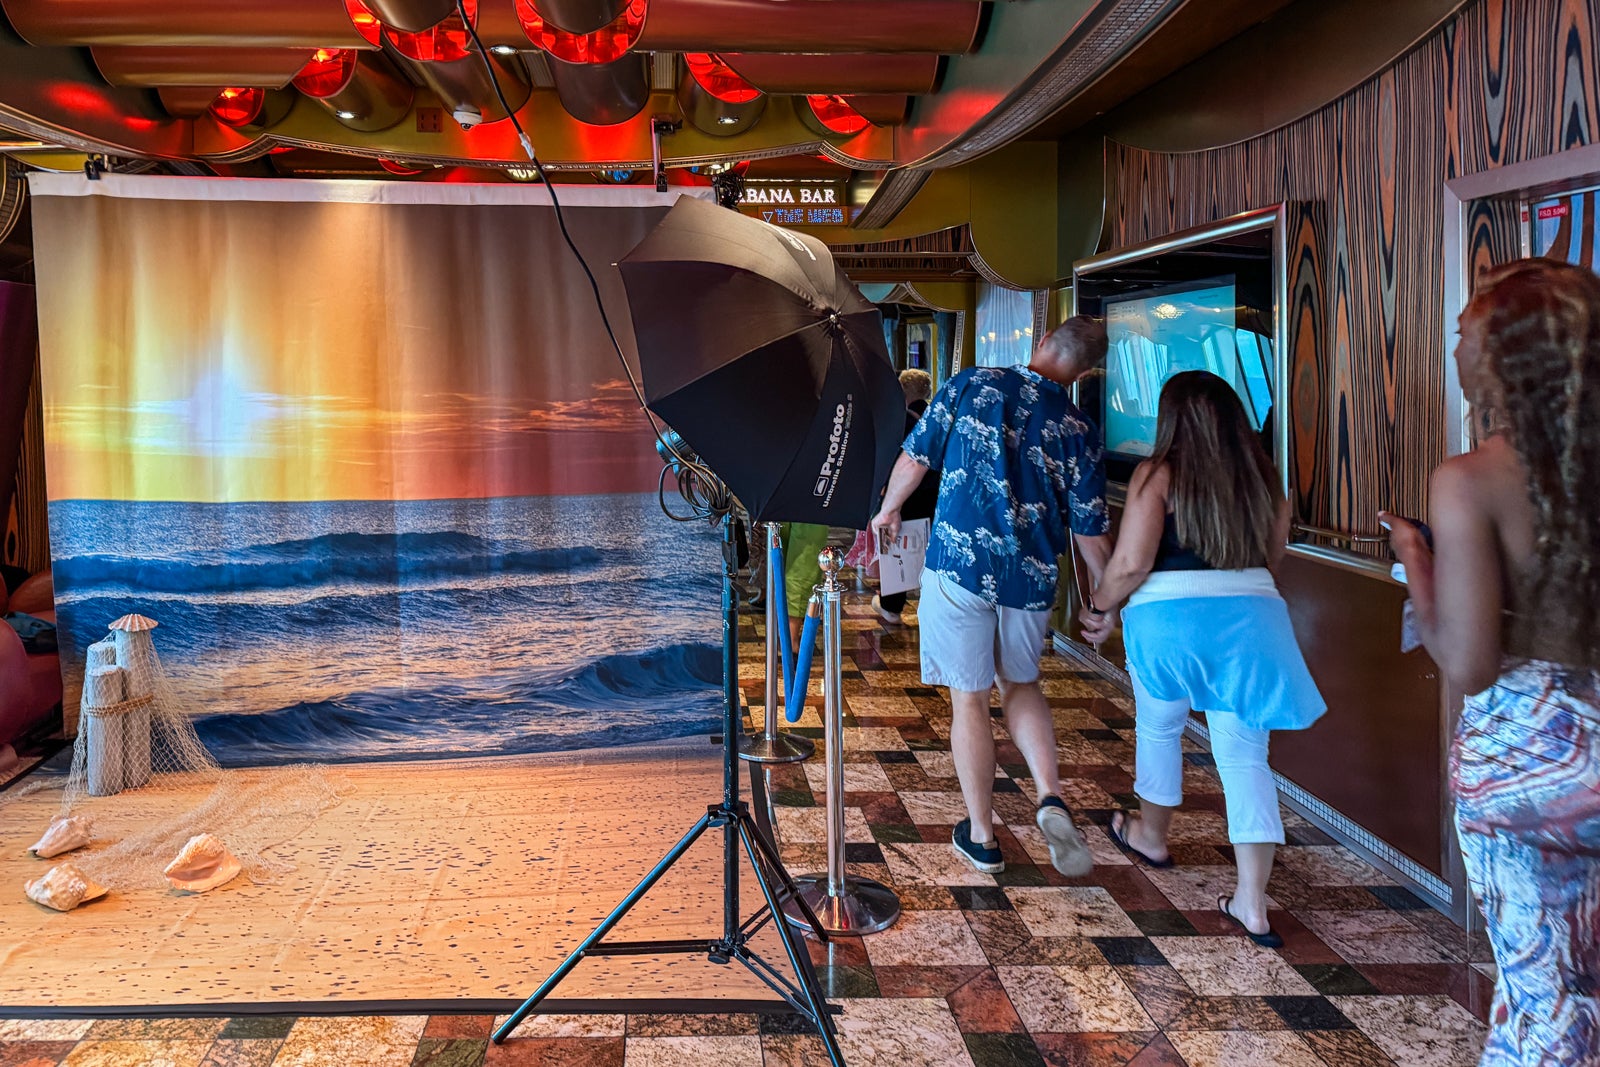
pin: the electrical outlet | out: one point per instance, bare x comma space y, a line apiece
430, 119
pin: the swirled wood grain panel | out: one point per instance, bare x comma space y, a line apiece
1505, 81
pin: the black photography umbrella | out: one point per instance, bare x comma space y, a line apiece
764, 357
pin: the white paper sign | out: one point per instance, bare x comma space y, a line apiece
900, 568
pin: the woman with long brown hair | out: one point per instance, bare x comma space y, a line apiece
1206, 630
1508, 605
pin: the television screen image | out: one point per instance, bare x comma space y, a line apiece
1159, 333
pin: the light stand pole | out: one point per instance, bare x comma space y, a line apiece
779, 893
772, 745
841, 903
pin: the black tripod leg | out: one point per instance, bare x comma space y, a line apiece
786, 881
799, 955
604, 928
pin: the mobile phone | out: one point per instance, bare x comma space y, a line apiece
1423, 528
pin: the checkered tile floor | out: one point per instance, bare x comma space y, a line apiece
1128, 966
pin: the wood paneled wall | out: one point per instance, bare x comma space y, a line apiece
1504, 82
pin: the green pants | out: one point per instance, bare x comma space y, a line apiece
801, 544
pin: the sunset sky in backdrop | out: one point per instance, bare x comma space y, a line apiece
334, 351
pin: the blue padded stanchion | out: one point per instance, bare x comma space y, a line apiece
794, 701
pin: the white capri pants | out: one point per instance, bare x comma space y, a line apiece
1241, 755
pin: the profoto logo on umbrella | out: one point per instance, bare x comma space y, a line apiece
838, 445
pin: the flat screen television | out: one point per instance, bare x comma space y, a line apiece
1204, 300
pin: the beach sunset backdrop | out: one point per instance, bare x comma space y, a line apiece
375, 469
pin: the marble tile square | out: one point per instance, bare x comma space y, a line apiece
873, 738
906, 1032
1071, 911
1329, 865
1146, 1049
858, 778
34, 1053
809, 826
1346, 1048
142, 1054
935, 809
926, 939
1196, 888
1242, 1048
929, 863
1073, 1000
44, 1029
742, 1051
538, 1025
156, 1030
348, 1050
260, 1052
1376, 937
1418, 1031
556, 1052
1231, 967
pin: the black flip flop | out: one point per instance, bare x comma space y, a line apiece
1270, 939
1121, 841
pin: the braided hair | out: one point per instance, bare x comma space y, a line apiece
1540, 321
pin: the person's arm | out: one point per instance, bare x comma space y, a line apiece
1096, 550
906, 476
1137, 542
1280, 535
1456, 590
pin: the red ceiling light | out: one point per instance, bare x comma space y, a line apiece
238, 107
444, 43
718, 79
836, 114
365, 22
605, 45
328, 71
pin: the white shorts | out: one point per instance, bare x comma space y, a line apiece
968, 643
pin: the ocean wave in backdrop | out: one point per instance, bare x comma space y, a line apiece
340, 557
368, 630
614, 700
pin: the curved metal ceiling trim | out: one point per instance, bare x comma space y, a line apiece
929, 26
990, 275
183, 23
899, 74
410, 16
579, 16
881, 109
1095, 45
151, 67
893, 193
917, 297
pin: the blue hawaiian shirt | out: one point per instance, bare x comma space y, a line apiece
1018, 465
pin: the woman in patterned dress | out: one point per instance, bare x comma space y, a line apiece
1508, 604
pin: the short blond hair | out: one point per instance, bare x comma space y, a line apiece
918, 384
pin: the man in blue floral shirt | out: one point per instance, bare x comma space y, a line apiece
1019, 466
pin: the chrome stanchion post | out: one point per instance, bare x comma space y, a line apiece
843, 903
772, 745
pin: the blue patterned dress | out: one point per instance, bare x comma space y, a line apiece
1525, 772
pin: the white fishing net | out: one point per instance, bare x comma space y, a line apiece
138, 762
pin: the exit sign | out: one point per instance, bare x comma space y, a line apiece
798, 202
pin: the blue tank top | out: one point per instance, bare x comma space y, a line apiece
1172, 555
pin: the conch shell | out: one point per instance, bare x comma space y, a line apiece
204, 863
63, 888
64, 835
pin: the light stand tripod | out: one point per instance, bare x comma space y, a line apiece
732, 816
